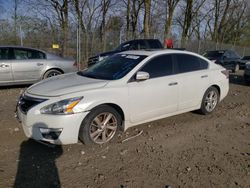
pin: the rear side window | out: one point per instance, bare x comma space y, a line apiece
188, 63
159, 66
246, 58
214, 54
4, 53
234, 55
21, 54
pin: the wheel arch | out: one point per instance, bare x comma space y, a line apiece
217, 87
52, 68
117, 108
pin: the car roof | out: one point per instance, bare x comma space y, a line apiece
22, 47
150, 52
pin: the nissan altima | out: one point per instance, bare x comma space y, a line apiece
121, 91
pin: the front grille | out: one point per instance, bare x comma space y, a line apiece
26, 103
93, 60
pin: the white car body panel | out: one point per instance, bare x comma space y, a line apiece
157, 93
140, 102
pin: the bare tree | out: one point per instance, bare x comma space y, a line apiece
136, 7
170, 8
146, 21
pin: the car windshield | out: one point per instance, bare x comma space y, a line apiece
113, 67
246, 58
213, 54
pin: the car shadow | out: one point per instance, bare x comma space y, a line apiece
237, 79
37, 166
15, 87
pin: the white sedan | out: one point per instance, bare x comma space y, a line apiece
121, 91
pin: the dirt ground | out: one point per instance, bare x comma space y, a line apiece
188, 150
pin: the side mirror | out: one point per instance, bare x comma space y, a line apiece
140, 76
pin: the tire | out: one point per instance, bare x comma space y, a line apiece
236, 68
209, 100
94, 129
51, 73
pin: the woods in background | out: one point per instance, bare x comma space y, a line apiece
106, 23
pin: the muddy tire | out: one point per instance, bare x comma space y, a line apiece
209, 101
100, 125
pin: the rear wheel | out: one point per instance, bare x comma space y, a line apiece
210, 100
100, 125
51, 73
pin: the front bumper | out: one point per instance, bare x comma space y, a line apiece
69, 125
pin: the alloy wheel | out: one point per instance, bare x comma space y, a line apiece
211, 101
103, 127
53, 74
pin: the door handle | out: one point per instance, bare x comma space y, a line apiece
4, 65
39, 64
173, 83
204, 76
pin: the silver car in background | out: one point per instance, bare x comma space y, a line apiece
21, 65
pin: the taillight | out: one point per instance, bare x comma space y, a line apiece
226, 73
75, 64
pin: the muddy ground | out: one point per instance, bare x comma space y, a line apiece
188, 150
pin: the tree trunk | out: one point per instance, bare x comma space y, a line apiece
170, 7
187, 22
65, 27
146, 21
128, 21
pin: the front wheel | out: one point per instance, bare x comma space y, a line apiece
210, 100
100, 125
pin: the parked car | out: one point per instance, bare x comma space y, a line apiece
137, 44
21, 65
244, 60
247, 73
227, 58
125, 90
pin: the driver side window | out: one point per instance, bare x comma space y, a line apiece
159, 66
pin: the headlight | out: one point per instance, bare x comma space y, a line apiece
248, 66
62, 107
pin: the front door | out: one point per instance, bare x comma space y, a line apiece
5, 66
156, 96
26, 65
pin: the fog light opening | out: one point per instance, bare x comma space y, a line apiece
51, 134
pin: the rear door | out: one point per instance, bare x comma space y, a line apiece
194, 79
5, 66
27, 64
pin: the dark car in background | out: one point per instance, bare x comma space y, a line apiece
226, 58
244, 60
247, 73
137, 44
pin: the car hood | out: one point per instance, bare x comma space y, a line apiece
65, 84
